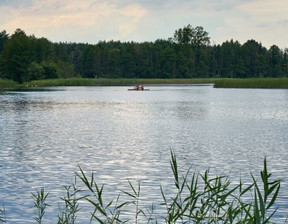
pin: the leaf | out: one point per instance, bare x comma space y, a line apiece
131, 186
261, 202
123, 204
274, 197
247, 189
99, 220
129, 194
96, 205
163, 195
85, 180
173, 164
109, 204
256, 209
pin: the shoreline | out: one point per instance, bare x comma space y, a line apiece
267, 83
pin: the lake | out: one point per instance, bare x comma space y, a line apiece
125, 135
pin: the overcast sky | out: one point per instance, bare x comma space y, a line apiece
91, 21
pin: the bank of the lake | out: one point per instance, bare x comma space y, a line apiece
272, 83
7, 84
115, 82
260, 83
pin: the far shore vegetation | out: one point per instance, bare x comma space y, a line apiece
269, 83
186, 57
194, 198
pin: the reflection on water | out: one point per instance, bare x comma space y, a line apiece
122, 135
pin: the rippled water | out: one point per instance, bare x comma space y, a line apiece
122, 135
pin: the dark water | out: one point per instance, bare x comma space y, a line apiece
122, 135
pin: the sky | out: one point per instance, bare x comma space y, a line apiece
91, 21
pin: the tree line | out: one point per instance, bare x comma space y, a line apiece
187, 54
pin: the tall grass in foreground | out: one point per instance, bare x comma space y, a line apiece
3, 215
270, 83
198, 198
40, 203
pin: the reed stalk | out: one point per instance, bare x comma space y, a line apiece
263, 83
3, 215
198, 198
40, 203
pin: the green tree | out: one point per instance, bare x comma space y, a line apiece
3, 39
65, 69
42, 50
50, 70
230, 52
254, 57
36, 71
16, 57
88, 65
128, 61
193, 35
275, 61
285, 62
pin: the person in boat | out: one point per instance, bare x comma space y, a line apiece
139, 87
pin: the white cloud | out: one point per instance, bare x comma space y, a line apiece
262, 20
147, 20
63, 15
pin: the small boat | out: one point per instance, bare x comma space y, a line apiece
138, 88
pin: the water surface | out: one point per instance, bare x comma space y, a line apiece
120, 135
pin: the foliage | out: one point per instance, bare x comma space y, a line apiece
16, 56
186, 55
189, 35
36, 71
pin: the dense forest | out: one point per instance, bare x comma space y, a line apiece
188, 54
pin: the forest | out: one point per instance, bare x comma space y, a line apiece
187, 54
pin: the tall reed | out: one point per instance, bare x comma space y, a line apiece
113, 82
271, 83
3, 215
68, 213
198, 198
40, 203
7, 84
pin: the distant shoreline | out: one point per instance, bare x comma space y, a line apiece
270, 83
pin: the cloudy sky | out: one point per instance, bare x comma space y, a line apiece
90, 21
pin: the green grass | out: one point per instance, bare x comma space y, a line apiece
114, 82
198, 198
269, 83
7, 84
218, 82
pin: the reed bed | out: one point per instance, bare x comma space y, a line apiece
198, 198
114, 82
7, 84
268, 83
218, 82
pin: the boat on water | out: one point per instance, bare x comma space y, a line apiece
138, 88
